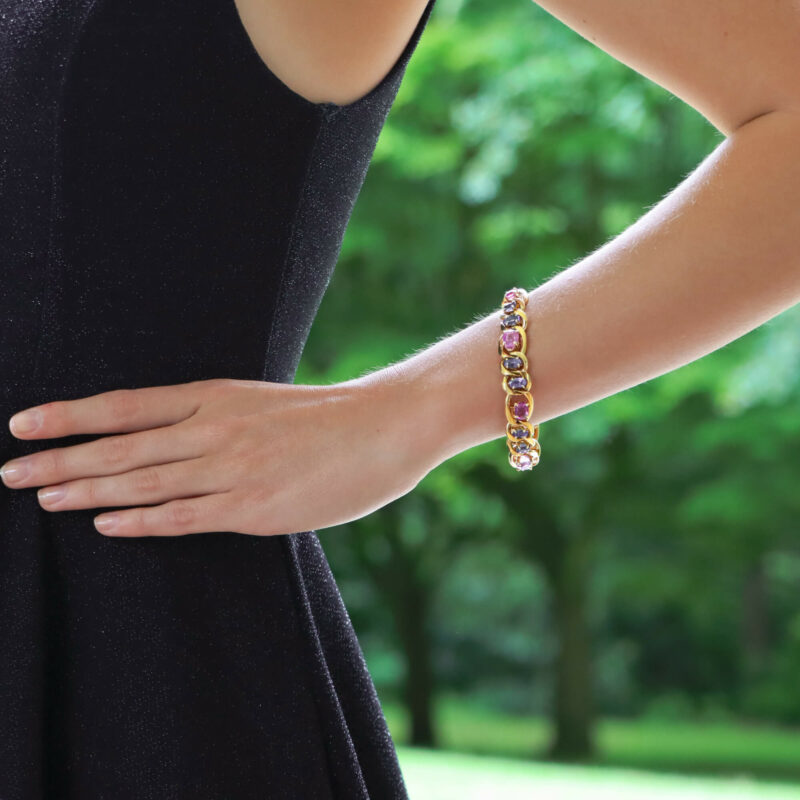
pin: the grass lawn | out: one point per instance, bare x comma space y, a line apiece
434, 775
715, 749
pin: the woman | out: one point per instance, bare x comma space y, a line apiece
172, 211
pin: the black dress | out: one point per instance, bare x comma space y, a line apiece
170, 211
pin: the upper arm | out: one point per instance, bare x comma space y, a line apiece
329, 52
732, 60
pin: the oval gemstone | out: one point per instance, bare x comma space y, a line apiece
521, 447
511, 340
519, 433
511, 294
512, 319
518, 382
521, 410
509, 307
512, 362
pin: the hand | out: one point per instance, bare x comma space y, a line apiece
224, 455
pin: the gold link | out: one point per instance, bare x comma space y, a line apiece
530, 442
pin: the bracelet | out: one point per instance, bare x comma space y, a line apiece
522, 438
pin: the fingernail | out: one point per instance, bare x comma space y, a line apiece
15, 471
25, 421
106, 523
51, 495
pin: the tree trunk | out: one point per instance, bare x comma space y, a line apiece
755, 640
412, 619
408, 594
573, 716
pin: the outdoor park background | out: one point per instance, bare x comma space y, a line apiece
632, 604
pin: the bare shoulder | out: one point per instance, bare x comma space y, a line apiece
732, 60
330, 52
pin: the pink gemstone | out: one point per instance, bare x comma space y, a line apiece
511, 340
521, 410
524, 461
511, 294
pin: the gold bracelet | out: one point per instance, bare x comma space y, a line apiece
522, 438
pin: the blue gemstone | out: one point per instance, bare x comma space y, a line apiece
517, 382
510, 321
512, 362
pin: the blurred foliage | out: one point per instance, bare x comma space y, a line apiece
515, 148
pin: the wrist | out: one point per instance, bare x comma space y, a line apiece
404, 416
446, 398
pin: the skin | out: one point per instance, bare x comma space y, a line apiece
222, 455
330, 52
714, 259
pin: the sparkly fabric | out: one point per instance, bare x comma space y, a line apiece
171, 211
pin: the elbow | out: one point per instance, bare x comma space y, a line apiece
788, 112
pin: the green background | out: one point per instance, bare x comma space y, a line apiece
631, 604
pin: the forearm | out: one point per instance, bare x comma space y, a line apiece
714, 259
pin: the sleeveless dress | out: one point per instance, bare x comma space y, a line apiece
170, 211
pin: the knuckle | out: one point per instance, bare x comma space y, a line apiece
180, 513
138, 519
259, 496
237, 466
223, 383
217, 429
147, 480
115, 450
124, 404
50, 463
88, 490
242, 452
216, 387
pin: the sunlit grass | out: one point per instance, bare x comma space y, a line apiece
434, 775
728, 749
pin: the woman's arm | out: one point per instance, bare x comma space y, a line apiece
714, 259
732, 60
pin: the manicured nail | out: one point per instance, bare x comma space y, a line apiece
106, 523
51, 495
15, 471
26, 421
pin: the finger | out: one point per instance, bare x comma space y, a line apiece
111, 455
151, 484
115, 410
174, 518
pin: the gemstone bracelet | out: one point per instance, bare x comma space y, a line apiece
522, 438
